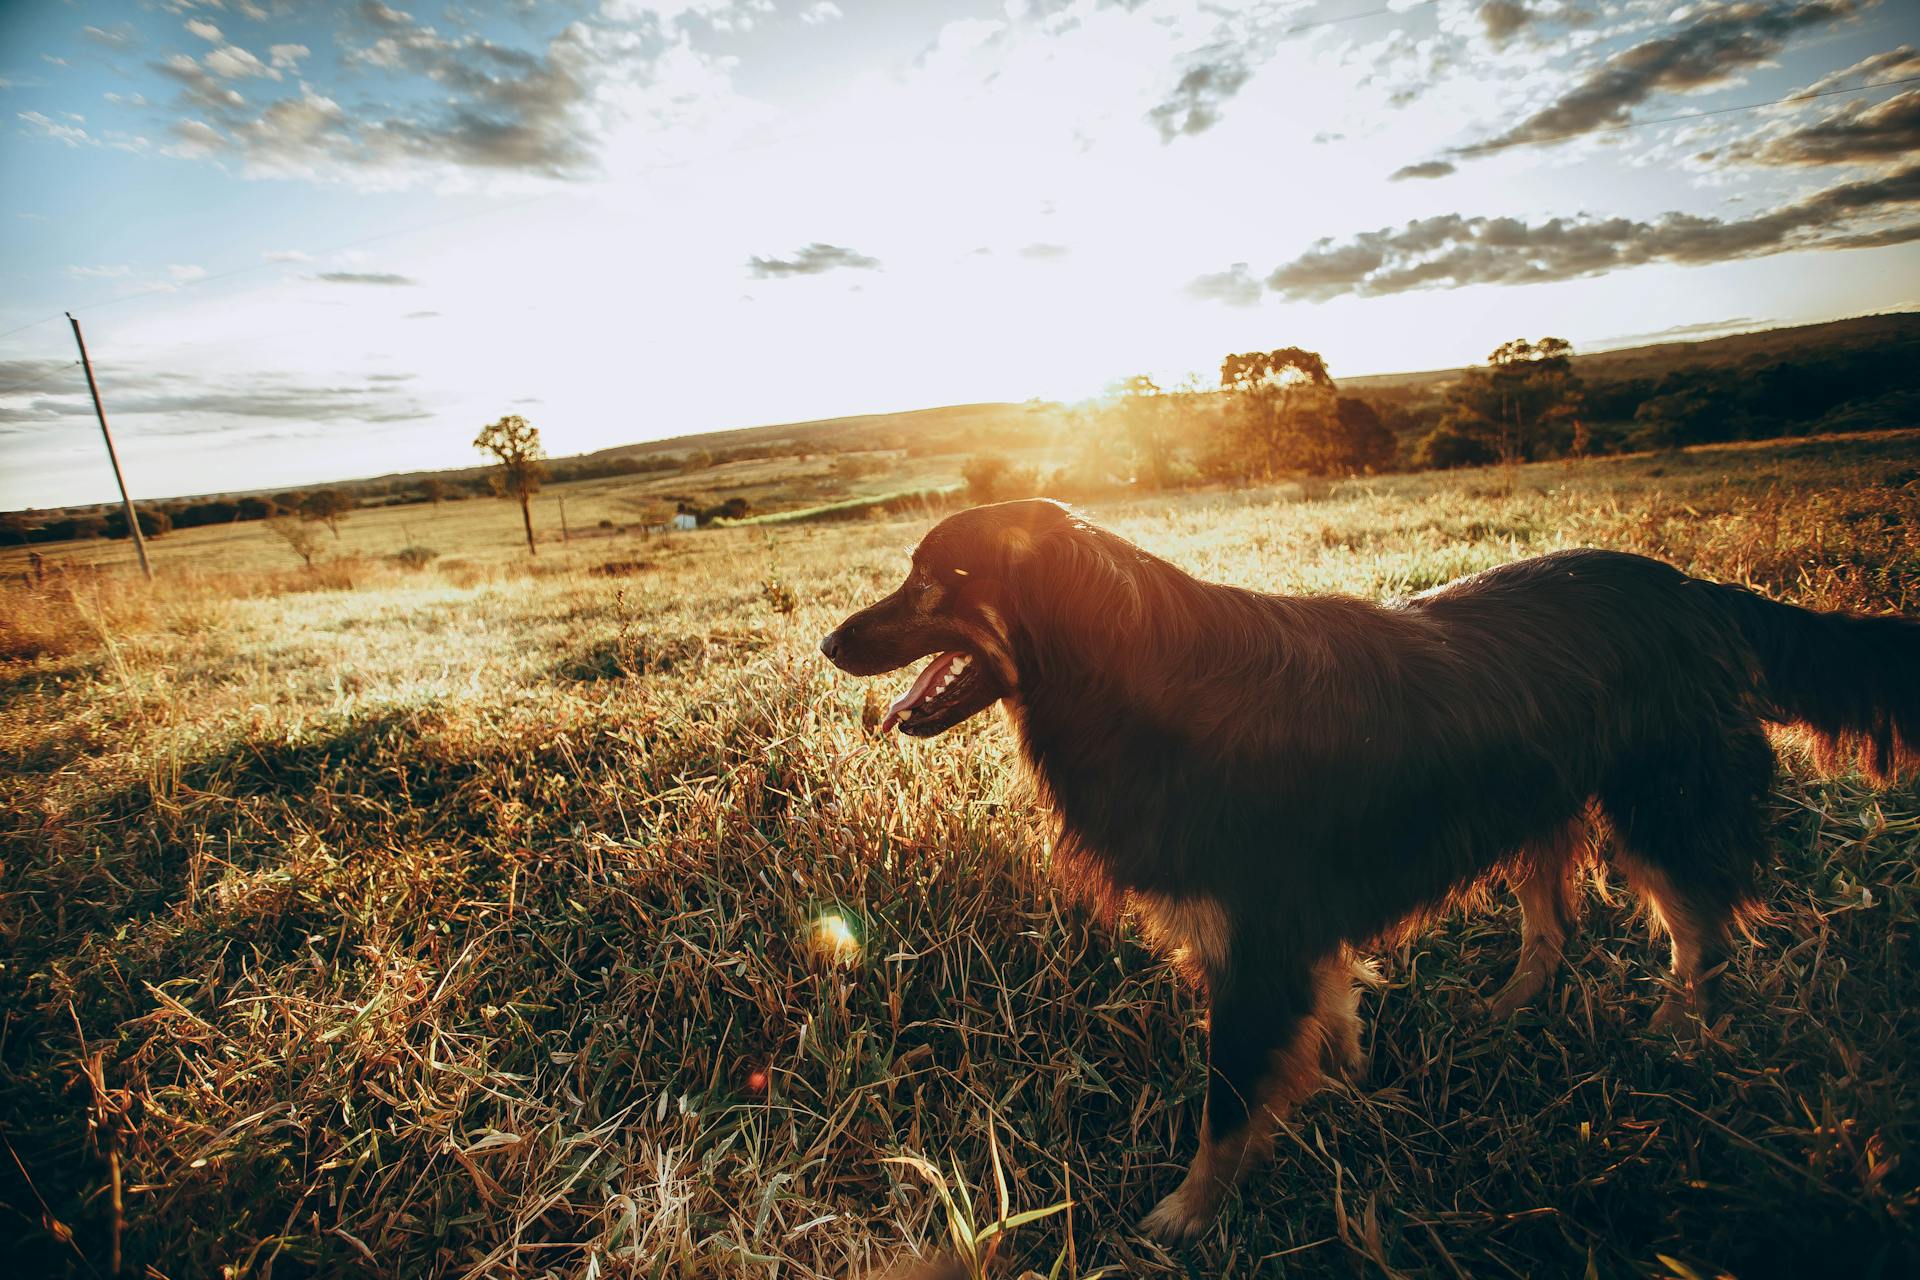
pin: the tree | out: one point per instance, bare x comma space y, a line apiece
1364, 443
1453, 443
153, 522
1523, 404
515, 442
328, 507
300, 536
1284, 416
433, 490
1148, 419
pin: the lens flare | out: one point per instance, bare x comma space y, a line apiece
836, 937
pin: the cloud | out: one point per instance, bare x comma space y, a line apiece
365, 277
1892, 64
184, 273
1235, 286
1424, 169
121, 35
72, 135
1452, 251
1044, 252
199, 88
421, 315
287, 56
1698, 329
205, 30
1195, 103
198, 407
118, 271
1858, 133
382, 16
1503, 19
813, 260
1712, 48
821, 11
231, 62
287, 255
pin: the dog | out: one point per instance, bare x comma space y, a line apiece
1276, 782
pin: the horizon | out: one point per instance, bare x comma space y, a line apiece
1634, 342
599, 215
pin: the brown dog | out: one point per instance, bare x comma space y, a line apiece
1274, 780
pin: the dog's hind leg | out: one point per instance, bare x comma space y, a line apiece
1270, 1034
1545, 880
1689, 837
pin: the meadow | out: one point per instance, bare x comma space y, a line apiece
565, 916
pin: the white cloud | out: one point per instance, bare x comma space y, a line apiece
821, 11
234, 63
119, 271
287, 56
37, 123
205, 30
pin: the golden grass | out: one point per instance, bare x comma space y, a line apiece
504, 918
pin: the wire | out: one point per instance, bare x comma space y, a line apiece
30, 324
1484, 147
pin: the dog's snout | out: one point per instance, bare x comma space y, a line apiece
833, 644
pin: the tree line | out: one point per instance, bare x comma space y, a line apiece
1278, 412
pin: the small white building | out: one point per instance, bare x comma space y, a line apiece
686, 520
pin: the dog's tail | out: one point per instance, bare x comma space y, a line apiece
1849, 681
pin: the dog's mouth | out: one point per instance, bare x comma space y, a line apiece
954, 686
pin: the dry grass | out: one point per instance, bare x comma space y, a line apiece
481, 921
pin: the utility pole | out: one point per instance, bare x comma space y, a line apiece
564, 536
133, 517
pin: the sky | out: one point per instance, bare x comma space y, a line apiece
315, 241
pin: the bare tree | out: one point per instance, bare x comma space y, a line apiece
327, 506
515, 442
300, 535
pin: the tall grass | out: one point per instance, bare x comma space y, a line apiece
516, 922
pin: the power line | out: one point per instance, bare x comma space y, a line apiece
31, 324
1484, 147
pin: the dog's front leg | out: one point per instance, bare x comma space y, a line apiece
1264, 1050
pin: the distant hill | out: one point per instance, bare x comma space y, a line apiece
1651, 361
956, 426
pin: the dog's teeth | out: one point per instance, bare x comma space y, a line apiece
960, 663
906, 715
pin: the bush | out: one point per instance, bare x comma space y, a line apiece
1448, 445
415, 557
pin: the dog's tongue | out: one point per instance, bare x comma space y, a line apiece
903, 706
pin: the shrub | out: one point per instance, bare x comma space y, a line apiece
415, 557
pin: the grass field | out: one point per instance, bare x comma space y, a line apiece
566, 918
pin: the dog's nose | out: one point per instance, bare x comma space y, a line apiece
831, 645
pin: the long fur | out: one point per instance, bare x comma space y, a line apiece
1347, 765
1275, 780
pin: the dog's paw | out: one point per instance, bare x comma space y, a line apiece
1675, 1017
1178, 1218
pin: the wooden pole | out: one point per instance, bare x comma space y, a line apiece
564, 535
133, 517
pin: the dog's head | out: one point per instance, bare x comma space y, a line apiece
954, 603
